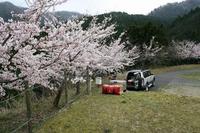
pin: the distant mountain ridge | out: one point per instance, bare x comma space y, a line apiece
167, 13
6, 8
64, 15
171, 11
182, 25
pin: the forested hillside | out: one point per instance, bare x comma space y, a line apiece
186, 27
171, 11
139, 28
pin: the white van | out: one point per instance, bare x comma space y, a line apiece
139, 79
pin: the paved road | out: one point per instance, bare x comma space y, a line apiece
174, 78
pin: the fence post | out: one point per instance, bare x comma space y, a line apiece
28, 107
66, 86
88, 82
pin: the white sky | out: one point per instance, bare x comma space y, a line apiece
102, 6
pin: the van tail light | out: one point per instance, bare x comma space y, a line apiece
130, 81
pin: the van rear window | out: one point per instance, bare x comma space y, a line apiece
131, 75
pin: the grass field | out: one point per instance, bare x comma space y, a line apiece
11, 119
131, 112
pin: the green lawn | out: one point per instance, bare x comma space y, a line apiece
131, 112
142, 112
192, 76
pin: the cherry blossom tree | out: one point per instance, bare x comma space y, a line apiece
187, 49
79, 49
2, 92
149, 51
16, 51
29, 52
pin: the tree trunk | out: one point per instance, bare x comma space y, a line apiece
78, 88
66, 86
88, 84
28, 107
58, 96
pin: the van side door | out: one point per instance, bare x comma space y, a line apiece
151, 76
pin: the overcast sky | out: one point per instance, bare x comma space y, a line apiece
102, 6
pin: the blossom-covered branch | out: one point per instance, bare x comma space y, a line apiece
37, 8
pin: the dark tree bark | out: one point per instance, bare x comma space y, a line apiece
78, 88
58, 96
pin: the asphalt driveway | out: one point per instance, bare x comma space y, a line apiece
173, 82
